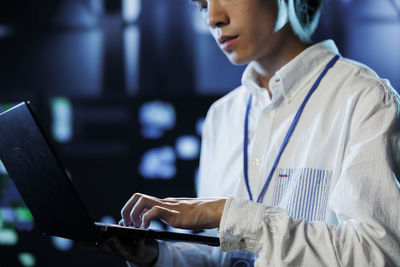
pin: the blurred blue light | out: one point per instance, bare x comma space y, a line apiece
7, 214
152, 133
24, 226
158, 163
8, 237
108, 220
156, 117
131, 10
161, 17
187, 147
78, 13
62, 243
62, 119
199, 126
73, 65
131, 58
97, 6
5, 31
27, 259
3, 170
23, 219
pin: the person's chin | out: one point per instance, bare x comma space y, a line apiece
237, 60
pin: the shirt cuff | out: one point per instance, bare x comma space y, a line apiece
241, 225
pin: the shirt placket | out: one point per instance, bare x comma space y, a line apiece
262, 130
261, 159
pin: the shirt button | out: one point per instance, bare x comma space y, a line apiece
257, 162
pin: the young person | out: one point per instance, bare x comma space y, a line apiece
295, 166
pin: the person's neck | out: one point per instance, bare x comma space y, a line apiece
285, 52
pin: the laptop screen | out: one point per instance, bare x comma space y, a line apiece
40, 178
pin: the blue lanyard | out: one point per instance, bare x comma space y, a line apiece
287, 137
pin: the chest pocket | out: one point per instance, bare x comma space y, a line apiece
302, 192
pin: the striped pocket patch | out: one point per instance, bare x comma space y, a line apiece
302, 192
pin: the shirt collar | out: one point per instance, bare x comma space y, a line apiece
251, 82
291, 77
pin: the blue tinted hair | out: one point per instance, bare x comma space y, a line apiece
303, 16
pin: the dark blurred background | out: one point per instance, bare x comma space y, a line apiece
122, 88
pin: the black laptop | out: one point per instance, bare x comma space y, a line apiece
48, 192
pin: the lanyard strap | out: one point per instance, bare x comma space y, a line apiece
287, 137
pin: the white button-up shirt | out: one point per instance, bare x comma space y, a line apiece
333, 199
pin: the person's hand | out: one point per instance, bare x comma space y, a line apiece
186, 213
140, 252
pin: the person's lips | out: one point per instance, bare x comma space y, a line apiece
227, 41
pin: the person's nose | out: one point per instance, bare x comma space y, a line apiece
217, 16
